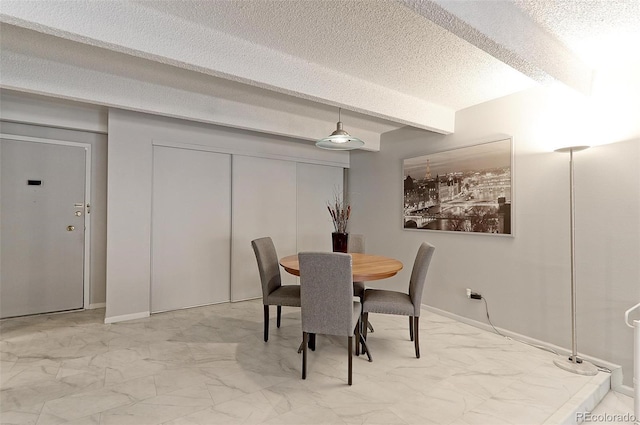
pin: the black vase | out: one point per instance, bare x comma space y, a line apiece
340, 241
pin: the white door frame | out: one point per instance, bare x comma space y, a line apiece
86, 273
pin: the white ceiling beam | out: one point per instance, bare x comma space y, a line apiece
129, 27
30, 64
503, 31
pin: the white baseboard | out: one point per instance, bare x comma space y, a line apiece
189, 307
616, 370
125, 317
625, 389
96, 305
246, 299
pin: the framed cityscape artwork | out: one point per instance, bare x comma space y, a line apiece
468, 190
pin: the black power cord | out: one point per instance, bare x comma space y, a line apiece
486, 307
477, 296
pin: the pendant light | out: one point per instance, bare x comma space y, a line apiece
339, 140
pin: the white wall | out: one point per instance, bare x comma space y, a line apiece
58, 113
131, 138
98, 181
525, 279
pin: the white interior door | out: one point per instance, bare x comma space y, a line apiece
42, 227
191, 228
264, 204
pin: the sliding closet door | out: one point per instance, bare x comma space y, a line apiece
264, 204
317, 185
191, 228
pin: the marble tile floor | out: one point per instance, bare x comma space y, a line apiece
614, 409
209, 365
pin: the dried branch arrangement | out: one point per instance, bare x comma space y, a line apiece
340, 212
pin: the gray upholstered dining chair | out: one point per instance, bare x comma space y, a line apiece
356, 244
392, 302
273, 292
326, 294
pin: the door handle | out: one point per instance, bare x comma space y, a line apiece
70, 228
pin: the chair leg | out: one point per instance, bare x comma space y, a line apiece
266, 323
350, 359
365, 319
417, 332
370, 327
279, 316
365, 349
411, 328
305, 338
312, 342
365, 325
358, 338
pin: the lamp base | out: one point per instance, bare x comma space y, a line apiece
580, 367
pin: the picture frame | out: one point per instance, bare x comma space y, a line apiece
463, 190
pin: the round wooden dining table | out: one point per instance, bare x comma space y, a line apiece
365, 267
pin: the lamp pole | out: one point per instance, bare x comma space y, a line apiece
574, 363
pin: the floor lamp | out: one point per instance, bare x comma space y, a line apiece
574, 363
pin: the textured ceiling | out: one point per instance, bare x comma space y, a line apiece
600, 32
391, 63
378, 41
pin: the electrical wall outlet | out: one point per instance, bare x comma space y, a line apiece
473, 295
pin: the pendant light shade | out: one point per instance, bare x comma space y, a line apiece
339, 140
